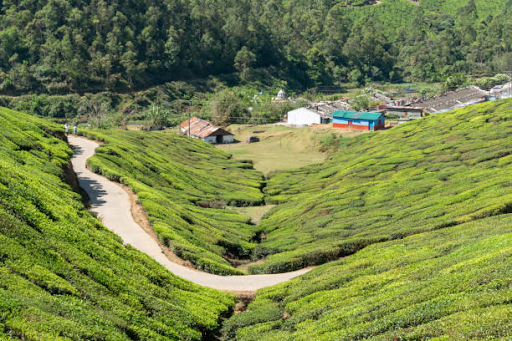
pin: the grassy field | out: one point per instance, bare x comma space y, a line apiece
281, 147
184, 185
64, 276
449, 284
440, 171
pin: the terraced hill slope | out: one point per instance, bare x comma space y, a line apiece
449, 284
440, 171
63, 276
183, 184
440, 189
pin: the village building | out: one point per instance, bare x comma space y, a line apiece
502, 91
315, 113
307, 117
403, 112
201, 129
370, 121
454, 99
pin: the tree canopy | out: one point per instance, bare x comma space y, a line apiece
68, 46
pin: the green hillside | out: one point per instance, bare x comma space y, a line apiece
426, 205
449, 284
183, 184
484, 7
75, 47
440, 171
63, 276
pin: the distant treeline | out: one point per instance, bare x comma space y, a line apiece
63, 46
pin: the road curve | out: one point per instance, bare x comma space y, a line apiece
112, 205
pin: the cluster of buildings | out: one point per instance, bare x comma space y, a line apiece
339, 113
316, 113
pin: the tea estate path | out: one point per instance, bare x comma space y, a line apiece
112, 204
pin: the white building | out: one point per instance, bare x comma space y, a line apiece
306, 117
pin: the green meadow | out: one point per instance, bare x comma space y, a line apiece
63, 275
282, 147
440, 171
184, 185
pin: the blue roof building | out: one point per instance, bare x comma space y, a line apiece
370, 121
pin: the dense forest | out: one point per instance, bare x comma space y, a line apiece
72, 46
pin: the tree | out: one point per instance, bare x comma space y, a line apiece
361, 102
225, 107
97, 111
157, 116
244, 59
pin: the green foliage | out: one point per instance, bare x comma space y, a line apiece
489, 82
360, 102
225, 107
443, 170
62, 47
448, 284
63, 276
158, 117
244, 59
455, 81
181, 183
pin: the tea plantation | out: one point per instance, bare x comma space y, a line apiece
183, 184
450, 284
63, 276
430, 174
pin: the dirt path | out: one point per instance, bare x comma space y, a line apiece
112, 205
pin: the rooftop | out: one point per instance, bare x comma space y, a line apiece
372, 116
201, 128
453, 99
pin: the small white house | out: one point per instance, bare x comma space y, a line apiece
307, 117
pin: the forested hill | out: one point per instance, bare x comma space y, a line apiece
62, 46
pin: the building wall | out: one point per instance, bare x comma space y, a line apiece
209, 139
405, 113
303, 116
225, 139
358, 124
228, 139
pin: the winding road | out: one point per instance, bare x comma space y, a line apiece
112, 205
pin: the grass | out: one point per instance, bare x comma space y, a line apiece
440, 171
281, 147
255, 212
64, 276
449, 284
184, 185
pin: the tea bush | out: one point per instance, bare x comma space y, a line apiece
178, 181
449, 284
439, 171
63, 276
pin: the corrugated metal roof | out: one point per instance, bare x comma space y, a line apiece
372, 116
200, 128
404, 108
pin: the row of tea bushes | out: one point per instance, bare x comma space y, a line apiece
439, 171
63, 276
449, 284
183, 185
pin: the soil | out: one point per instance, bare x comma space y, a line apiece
140, 216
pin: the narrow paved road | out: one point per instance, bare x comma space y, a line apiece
112, 205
